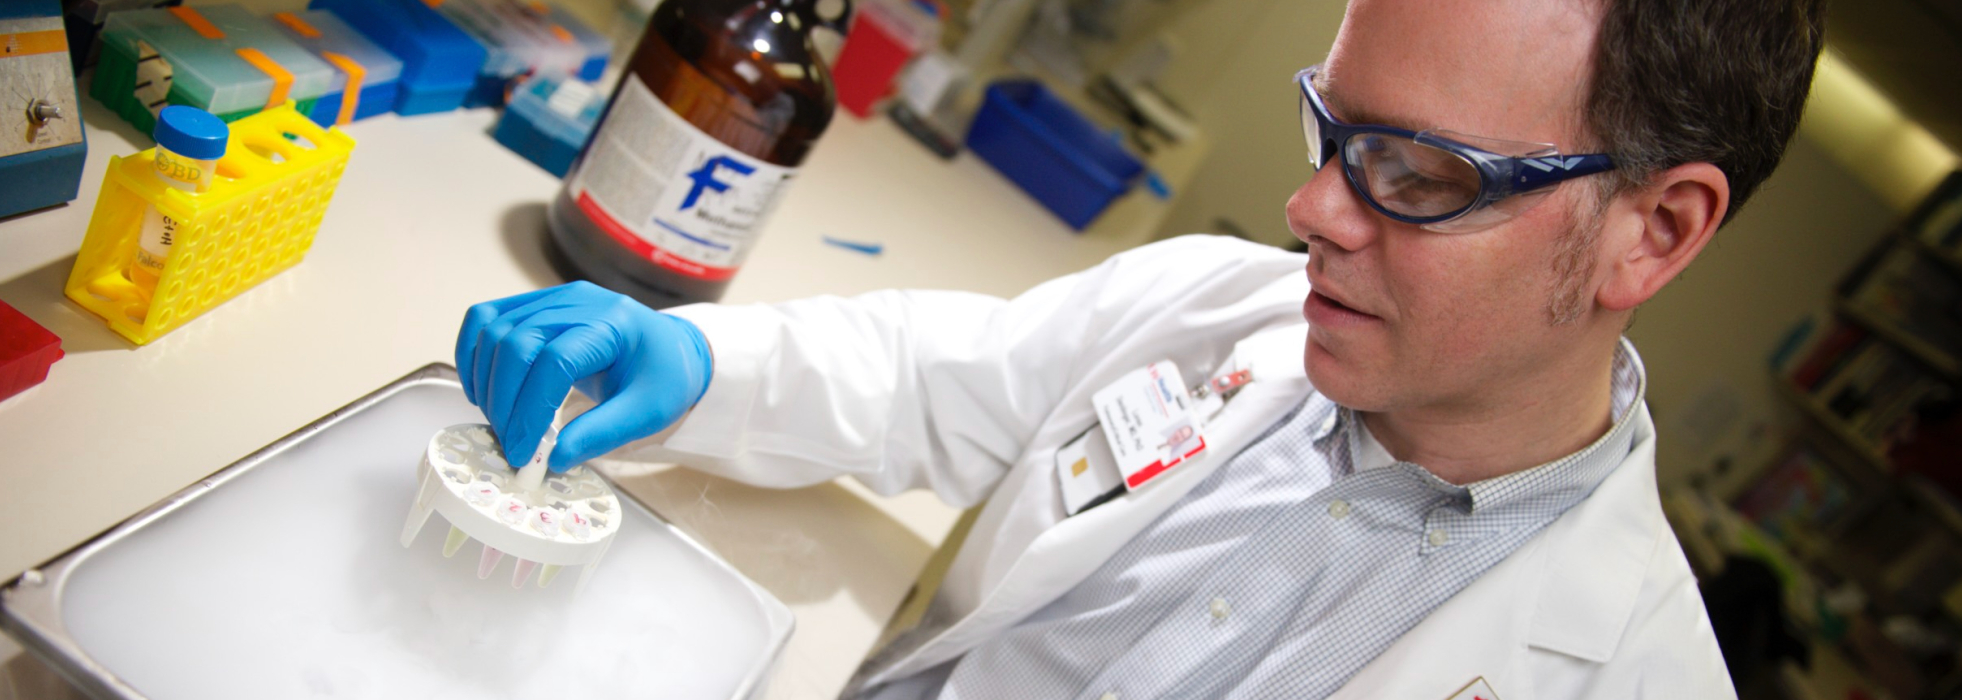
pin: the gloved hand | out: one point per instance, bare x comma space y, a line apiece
518, 356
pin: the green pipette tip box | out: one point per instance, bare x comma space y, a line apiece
218, 58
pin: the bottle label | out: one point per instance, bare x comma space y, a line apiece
672, 193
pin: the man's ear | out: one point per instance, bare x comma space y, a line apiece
1663, 225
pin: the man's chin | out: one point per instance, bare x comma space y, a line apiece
1341, 381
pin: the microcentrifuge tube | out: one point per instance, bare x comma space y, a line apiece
488, 561
455, 542
547, 573
523, 571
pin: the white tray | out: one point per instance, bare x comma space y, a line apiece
281, 576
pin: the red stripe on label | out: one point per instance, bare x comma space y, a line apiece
668, 261
1151, 472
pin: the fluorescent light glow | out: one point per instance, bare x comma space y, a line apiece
1867, 134
761, 45
776, 16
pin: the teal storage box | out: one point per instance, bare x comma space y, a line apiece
84, 21
374, 73
218, 58
439, 61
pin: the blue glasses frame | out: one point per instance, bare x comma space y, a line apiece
1534, 170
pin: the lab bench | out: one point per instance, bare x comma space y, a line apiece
431, 216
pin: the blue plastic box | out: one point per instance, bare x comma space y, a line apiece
1051, 151
334, 42
439, 61
521, 39
548, 121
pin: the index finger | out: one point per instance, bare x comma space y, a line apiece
474, 320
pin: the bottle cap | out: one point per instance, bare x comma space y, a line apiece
191, 132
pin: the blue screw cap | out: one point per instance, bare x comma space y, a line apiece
191, 132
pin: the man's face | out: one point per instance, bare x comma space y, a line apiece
1407, 318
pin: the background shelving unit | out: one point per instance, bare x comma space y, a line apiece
1859, 512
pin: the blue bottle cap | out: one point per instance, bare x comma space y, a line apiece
191, 132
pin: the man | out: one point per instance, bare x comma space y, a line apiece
1443, 488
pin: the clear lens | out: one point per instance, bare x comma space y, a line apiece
1311, 129
1410, 178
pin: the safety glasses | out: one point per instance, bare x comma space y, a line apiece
1439, 180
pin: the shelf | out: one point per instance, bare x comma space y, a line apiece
1842, 433
1950, 259
1933, 357
1930, 497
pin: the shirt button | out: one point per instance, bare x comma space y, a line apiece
1338, 509
1438, 538
1219, 608
1108, 696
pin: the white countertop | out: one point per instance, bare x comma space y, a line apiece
432, 216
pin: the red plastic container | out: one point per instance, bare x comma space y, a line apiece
26, 351
882, 39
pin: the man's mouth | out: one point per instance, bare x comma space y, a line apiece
1325, 310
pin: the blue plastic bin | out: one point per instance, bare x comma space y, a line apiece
439, 61
1051, 151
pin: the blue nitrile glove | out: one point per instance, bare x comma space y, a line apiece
518, 356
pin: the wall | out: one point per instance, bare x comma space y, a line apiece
1233, 73
1705, 338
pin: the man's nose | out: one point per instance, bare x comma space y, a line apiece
1324, 210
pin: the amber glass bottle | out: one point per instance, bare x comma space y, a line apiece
721, 101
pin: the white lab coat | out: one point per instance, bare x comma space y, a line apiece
971, 395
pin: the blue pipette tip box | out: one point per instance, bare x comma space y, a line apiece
325, 33
548, 121
439, 61
522, 39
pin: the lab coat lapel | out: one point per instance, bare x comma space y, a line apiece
1571, 590
1476, 634
1612, 539
1070, 550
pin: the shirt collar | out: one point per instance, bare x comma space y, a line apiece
1554, 486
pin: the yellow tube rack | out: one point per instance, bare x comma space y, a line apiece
258, 219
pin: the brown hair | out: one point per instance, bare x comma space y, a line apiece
1716, 81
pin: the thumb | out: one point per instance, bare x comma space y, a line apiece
604, 429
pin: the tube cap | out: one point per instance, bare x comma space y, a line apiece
191, 132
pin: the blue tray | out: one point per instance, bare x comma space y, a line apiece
1051, 151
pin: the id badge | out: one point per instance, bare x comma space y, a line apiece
1087, 473
1149, 422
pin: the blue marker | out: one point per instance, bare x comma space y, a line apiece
866, 248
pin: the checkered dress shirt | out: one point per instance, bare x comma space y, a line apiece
1281, 574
